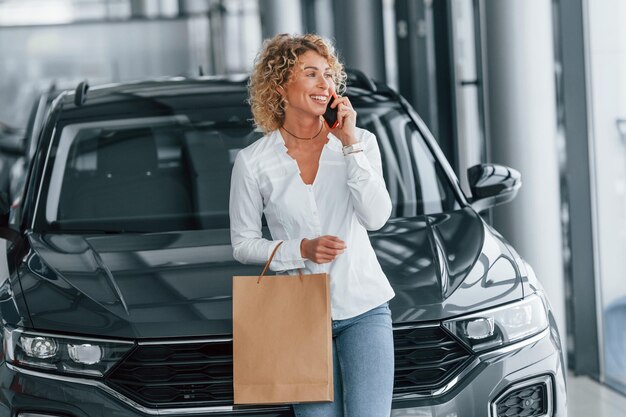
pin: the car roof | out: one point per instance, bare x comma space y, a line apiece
167, 89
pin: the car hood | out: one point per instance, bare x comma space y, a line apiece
179, 284
446, 265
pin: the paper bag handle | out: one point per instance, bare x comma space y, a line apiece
269, 261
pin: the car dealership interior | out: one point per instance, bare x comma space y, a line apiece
538, 86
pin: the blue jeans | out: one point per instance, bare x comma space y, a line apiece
363, 360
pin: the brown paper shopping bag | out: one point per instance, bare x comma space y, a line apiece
282, 338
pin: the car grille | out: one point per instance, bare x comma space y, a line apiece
194, 374
530, 401
427, 358
175, 374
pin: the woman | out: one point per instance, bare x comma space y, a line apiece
320, 191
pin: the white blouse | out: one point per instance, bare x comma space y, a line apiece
347, 198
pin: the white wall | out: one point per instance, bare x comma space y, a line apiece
606, 57
607, 61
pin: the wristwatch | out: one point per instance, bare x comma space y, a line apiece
355, 147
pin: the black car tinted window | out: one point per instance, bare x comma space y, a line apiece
415, 180
173, 172
153, 174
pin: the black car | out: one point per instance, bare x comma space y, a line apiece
116, 298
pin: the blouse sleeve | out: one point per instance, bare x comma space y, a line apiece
245, 211
368, 192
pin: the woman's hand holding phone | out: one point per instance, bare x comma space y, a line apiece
340, 118
323, 249
330, 115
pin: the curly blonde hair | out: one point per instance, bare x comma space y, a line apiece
273, 68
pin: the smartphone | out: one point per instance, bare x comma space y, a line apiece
330, 115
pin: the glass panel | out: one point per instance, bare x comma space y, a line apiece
469, 129
607, 57
153, 174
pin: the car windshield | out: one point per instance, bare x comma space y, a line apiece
167, 173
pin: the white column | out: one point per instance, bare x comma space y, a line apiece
523, 134
359, 35
280, 16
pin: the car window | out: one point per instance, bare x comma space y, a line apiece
415, 180
173, 172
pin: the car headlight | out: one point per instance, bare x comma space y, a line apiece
502, 325
63, 354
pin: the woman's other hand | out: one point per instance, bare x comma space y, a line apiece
323, 249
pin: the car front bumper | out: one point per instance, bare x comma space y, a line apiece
493, 376
472, 394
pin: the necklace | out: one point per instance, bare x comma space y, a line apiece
311, 138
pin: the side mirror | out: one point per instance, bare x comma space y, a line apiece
492, 184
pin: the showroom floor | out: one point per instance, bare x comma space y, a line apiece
588, 398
